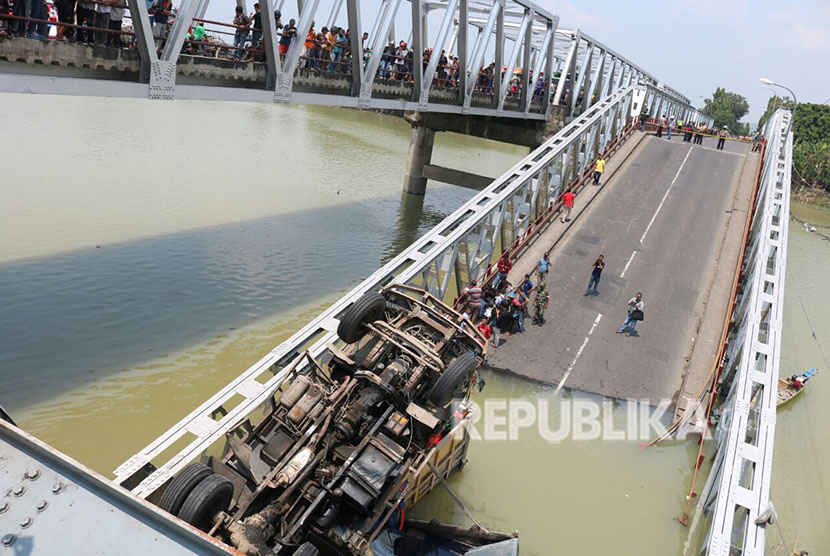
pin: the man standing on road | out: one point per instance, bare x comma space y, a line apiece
542, 268
635, 313
722, 135
669, 127
756, 141
540, 304
596, 274
567, 205
527, 286
599, 169
504, 265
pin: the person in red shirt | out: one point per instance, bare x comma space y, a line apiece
568, 204
484, 328
504, 266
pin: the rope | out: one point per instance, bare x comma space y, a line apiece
456, 498
810, 324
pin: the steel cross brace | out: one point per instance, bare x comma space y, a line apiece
511, 61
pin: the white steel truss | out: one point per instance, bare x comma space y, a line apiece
738, 487
459, 248
515, 34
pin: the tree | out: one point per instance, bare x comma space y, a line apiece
811, 123
726, 108
773, 104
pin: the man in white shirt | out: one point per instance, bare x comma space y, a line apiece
635, 309
102, 21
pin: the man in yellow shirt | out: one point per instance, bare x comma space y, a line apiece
599, 169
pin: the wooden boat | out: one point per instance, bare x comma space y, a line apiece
790, 387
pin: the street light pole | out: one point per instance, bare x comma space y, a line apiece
774, 96
766, 81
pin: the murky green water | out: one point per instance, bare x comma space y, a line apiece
223, 228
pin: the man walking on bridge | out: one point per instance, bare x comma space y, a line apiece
635, 313
599, 169
567, 205
542, 268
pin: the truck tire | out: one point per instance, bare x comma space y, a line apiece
455, 376
368, 308
307, 549
212, 495
182, 485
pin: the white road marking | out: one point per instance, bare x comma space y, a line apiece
631, 258
660, 206
656, 212
578, 353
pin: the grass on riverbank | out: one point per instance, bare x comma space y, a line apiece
816, 216
816, 198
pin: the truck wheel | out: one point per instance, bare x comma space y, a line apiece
368, 308
182, 485
454, 379
306, 549
212, 495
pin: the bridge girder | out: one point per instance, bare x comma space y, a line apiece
518, 35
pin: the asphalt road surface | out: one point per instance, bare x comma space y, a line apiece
659, 223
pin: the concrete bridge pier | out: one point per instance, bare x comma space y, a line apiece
419, 168
420, 155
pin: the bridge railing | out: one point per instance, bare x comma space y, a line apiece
737, 490
528, 63
458, 249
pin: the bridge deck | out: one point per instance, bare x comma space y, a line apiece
676, 197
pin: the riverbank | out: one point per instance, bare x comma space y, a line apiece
815, 216
814, 198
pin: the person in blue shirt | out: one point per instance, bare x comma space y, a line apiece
527, 286
542, 268
596, 274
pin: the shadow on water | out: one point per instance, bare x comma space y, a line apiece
413, 220
75, 317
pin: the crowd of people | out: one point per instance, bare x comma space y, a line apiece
692, 132
102, 23
501, 308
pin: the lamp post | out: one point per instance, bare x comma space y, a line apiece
774, 96
766, 81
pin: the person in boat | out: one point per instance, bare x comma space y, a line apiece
800, 380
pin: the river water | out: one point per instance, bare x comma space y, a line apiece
152, 251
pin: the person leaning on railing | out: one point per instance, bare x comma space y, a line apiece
162, 10
4, 9
289, 32
117, 12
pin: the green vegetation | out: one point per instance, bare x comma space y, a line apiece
811, 151
726, 108
811, 162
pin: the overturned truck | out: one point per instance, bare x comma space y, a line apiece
327, 462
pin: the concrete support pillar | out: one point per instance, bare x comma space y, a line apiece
420, 154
